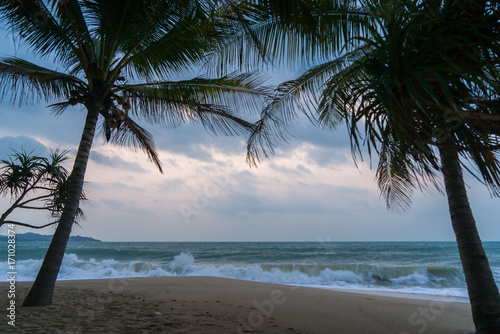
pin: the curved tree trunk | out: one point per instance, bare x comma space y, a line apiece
483, 291
43, 288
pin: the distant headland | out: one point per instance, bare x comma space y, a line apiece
35, 237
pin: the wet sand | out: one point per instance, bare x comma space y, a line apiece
217, 305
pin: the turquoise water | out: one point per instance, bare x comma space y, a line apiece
414, 267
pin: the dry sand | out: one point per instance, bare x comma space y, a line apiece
216, 305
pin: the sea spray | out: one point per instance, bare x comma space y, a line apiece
182, 263
429, 268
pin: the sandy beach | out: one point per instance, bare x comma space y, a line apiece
217, 305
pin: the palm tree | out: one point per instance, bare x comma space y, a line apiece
420, 87
116, 56
23, 175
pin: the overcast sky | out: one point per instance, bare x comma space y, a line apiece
309, 191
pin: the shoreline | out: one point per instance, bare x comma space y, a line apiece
404, 295
383, 293
218, 305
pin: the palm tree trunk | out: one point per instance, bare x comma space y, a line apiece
483, 291
43, 288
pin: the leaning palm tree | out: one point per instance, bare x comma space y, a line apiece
115, 58
421, 89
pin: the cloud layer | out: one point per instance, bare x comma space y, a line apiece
309, 190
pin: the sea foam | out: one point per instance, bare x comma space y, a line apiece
404, 279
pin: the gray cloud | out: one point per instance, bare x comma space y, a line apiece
115, 161
300, 169
126, 207
326, 147
65, 131
303, 169
124, 186
243, 211
303, 199
22, 143
194, 142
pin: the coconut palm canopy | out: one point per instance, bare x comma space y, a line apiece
420, 88
403, 87
118, 56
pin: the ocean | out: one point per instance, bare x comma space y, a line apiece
411, 267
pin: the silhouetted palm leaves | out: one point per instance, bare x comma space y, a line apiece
415, 78
35, 183
119, 60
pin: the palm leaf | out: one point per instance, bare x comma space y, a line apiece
284, 32
291, 97
25, 81
173, 39
35, 24
72, 18
244, 92
130, 134
394, 180
199, 100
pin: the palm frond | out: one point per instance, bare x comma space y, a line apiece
59, 108
36, 24
242, 92
52, 168
290, 99
209, 102
394, 180
146, 40
109, 21
130, 134
218, 120
284, 32
55, 203
72, 19
18, 172
25, 82
173, 39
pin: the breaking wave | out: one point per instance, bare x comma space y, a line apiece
447, 281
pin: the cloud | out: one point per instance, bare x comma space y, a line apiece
115, 161
30, 145
171, 184
310, 188
297, 169
127, 207
302, 199
123, 186
194, 142
322, 147
63, 131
